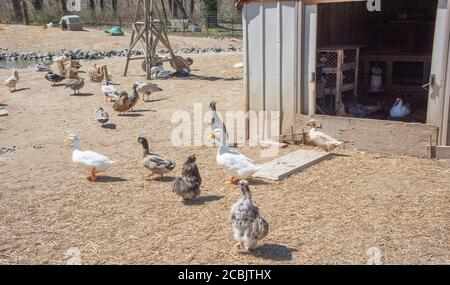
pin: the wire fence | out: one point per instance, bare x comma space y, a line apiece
225, 22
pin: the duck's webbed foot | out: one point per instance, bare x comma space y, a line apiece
149, 176
232, 180
93, 176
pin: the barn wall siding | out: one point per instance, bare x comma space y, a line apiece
271, 44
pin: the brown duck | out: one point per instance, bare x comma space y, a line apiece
123, 104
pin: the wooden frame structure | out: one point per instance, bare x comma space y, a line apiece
149, 33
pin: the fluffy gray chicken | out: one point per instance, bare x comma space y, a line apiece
101, 116
188, 186
248, 226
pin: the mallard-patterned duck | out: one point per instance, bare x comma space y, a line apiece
109, 91
75, 64
321, 139
93, 161
154, 162
75, 84
188, 186
145, 89
101, 116
55, 78
248, 226
123, 104
12, 81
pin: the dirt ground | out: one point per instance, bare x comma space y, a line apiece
31, 39
331, 213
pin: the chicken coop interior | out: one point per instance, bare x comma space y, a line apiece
366, 60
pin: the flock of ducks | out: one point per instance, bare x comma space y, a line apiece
247, 224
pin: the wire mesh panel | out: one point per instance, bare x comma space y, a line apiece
338, 73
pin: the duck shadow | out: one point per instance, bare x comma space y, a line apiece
109, 126
155, 100
274, 252
132, 115
165, 179
108, 179
202, 200
143, 111
82, 94
3, 105
21, 89
213, 78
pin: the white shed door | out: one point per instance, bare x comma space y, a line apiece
310, 47
438, 67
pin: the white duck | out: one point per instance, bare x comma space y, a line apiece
93, 161
400, 109
238, 165
321, 139
109, 91
12, 81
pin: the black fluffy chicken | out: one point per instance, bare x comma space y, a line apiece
188, 186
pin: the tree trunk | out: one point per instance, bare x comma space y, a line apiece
181, 7
64, 7
164, 11
18, 13
91, 6
210, 12
114, 7
38, 4
26, 18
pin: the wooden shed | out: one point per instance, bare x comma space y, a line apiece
345, 65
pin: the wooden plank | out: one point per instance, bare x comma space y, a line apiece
439, 152
292, 163
391, 137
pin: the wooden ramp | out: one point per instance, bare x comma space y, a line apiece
292, 163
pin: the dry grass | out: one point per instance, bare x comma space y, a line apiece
329, 214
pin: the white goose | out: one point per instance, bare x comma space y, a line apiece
238, 165
321, 139
400, 109
93, 161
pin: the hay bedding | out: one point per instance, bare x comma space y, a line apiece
330, 214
